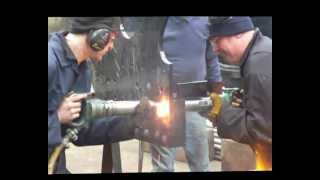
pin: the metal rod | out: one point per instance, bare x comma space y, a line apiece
140, 156
110, 108
198, 105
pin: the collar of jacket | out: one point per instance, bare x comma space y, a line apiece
244, 58
186, 18
67, 58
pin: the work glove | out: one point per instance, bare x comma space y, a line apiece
142, 117
217, 102
216, 87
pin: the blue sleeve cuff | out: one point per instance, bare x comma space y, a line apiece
54, 129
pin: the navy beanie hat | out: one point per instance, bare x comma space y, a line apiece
85, 24
231, 26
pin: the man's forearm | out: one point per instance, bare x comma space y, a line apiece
106, 130
232, 124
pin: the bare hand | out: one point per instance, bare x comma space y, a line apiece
236, 102
237, 98
70, 108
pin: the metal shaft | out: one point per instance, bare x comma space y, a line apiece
110, 108
198, 105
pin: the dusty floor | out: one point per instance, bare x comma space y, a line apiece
88, 159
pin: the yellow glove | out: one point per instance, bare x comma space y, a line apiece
216, 106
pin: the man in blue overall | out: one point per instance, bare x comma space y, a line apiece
69, 55
185, 42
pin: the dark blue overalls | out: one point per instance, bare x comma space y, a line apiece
65, 75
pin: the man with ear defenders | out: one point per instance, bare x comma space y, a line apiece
69, 54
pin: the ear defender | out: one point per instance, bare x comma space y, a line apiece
98, 39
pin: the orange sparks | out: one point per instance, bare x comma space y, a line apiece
163, 111
163, 108
263, 159
260, 163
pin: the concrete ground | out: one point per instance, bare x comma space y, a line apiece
88, 159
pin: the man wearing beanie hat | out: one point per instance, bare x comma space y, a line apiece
69, 55
247, 120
